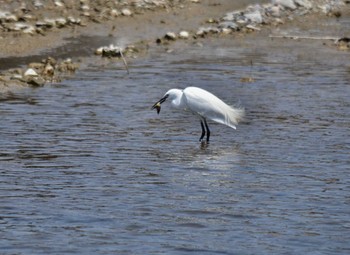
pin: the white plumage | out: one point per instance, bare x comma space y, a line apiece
205, 105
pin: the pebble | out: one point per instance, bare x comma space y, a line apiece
288, 4
60, 22
19, 26
226, 31
115, 13
85, 7
49, 22
170, 36
126, 12
252, 27
59, 3
38, 4
30, 72
29, 30
11, 18
304, 3
184, 35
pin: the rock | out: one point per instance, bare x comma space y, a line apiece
114, 13
253, 28
35, 81
170, 36
254, 16
288, 4
226, 31
211, 21
67, 66
126, 12
60, 22
99, 50
30, 72
38, 4
29, 30
327, 9
85, 7
48, 70
184, 35
303, 3
71, 20
230, 16
19, 26
206, 30
58, 3
11, 18
274, 11
28, 17
110, 51
14, 77
343, 44
48, 22
228, 25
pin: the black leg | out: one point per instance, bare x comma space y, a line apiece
203, 131
208, 131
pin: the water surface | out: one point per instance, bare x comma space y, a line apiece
87, 168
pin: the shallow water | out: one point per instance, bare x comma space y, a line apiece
88, 168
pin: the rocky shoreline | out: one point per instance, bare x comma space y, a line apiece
52, 21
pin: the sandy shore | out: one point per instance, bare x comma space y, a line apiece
72, 29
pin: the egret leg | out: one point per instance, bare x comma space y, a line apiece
203, 131
208, 131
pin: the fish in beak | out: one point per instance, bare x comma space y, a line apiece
157, 105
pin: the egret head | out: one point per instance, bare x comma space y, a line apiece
157, 105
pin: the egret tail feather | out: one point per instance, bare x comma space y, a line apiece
232, 117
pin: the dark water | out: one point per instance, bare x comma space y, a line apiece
88, 168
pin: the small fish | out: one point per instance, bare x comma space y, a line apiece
157, 106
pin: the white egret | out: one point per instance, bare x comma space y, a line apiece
203, 104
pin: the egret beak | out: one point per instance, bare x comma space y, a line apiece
157, 105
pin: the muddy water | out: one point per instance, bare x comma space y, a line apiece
88, 168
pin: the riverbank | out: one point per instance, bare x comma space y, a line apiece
45, 42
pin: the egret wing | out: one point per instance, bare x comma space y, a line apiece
211, 107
